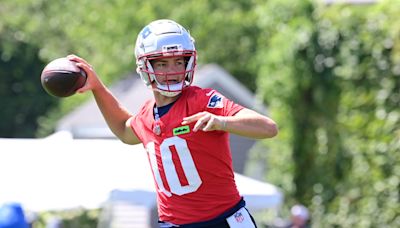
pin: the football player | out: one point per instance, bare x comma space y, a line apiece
184, 129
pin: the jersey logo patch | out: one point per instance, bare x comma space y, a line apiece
215, 101
239, 217
181, 130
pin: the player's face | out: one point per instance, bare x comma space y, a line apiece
169, 70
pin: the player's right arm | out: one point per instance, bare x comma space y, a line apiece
117, 117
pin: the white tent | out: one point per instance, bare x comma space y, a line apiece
59, 172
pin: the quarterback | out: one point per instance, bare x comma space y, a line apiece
184, 129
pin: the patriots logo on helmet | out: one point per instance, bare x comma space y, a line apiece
215, 101
146, 32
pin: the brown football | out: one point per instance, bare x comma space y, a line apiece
61, 77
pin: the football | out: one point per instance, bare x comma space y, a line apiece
61, 77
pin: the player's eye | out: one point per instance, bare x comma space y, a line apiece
160, 65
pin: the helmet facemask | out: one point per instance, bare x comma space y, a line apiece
165, 86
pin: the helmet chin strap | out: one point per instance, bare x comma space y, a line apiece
169, 94
165, 90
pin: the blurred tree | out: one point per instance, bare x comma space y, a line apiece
226, 33
104, 32
331, 78
69, 218
21, 94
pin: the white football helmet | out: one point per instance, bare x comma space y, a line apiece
161, 39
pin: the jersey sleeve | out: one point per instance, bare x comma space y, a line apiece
214, 102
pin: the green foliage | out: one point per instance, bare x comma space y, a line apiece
21, 93
331, 78
225, 33
72, 218
104, 33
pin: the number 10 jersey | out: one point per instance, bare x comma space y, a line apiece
192, 171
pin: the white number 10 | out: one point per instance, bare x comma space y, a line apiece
171, 174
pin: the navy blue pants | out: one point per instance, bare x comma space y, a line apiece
218, 222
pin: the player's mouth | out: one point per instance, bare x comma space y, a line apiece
172, 81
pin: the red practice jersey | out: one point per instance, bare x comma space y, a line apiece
192, 170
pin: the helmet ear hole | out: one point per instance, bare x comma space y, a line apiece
138, 70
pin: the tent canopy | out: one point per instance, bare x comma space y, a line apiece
59, 172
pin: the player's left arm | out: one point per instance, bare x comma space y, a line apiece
245, 122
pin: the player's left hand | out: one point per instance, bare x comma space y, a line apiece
206, 121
